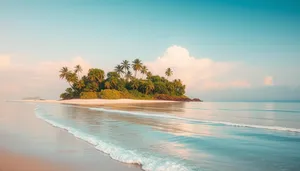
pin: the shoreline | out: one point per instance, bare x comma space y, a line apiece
98, 101
31, 144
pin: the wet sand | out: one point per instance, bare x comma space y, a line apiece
28, 143
99, 101
15, 162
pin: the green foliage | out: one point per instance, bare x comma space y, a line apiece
96, 75
125, 65
63, 72
155, 78
146, 86
110, 94
144, 70
121, 84
179, 88
77, 69
119, 69
113, 75
128, 76
70, 77
65, 96
170, 97
160, 88
149, 75
134, 94
89, 95
137, 66
68, 94
114, 81
169, 72
134, 84
91, 86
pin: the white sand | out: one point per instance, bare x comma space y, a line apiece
98, 101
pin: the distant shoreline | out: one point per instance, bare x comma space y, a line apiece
98, 101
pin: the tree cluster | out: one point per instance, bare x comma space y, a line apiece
126, 77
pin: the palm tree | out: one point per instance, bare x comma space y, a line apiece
149, 86
119, 70
80, 85
149, 75
128, 75
169, 72
71, 77
125, 65
64, 71
177, 83
137, 66
107, 85
78, 69
96, 75
113, 82
68, 75
135, 84
69, 91
144, 70
179, 88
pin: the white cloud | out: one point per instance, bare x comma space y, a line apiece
268, 81
197, 73
40, 79
4, 61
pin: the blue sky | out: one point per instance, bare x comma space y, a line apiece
259, 34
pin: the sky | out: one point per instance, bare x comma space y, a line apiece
221, 49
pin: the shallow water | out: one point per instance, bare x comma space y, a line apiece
188, 136
22, 133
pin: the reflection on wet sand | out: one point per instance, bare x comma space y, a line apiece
169, 126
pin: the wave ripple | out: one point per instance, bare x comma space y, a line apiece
147, 161
167, 116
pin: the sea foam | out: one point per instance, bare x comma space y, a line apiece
147, 161
168, 116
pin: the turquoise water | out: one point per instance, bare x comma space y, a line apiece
188, 136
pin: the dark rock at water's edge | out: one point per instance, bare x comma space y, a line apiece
188, 100
196, 100
176, 98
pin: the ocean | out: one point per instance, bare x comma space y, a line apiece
208, 136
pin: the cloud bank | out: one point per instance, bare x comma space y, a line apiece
39, 79
199, 74
204, 77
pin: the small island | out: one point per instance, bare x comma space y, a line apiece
126, 81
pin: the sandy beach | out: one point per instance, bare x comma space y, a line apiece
15, 162
30, 144
15, 157
99, 101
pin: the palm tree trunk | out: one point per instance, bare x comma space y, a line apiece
71, 86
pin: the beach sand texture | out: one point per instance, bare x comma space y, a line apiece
99, 101
15, 162
30, 144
